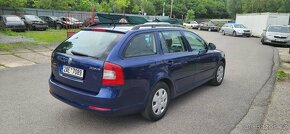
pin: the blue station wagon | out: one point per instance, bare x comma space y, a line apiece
118, 70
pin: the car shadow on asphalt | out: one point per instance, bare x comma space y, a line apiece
94, 119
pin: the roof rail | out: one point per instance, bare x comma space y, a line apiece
110, 24
156, 25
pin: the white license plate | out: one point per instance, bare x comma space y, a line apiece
280, 40
73, 71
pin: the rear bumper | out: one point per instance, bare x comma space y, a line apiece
40, 26
17, 28
107, 98
244, 34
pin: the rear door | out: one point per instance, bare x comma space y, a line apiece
78, 61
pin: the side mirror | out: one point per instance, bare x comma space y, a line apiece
211, 46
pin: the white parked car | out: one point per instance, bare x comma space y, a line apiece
235, 30
192, 24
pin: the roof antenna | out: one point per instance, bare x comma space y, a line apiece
112, 19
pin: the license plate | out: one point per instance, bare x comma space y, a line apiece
73, 71
280, 40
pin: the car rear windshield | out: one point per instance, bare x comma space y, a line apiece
279, 29
90, 44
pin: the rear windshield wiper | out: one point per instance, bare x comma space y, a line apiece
81, 54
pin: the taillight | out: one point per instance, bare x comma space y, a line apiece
112, 75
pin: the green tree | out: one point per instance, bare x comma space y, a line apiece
190, 15
121, 5
13, 3
147, 7
136, 9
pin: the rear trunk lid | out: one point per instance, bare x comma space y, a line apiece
78, 61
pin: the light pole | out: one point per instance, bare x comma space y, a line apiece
171, 9
163, 14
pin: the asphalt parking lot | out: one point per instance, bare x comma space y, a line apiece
27, 107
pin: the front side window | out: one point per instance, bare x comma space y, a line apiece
141, 45
195, 42
172, 42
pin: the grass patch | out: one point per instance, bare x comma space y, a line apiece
281, 75
8, 32
10, 47
49, 36
287, 62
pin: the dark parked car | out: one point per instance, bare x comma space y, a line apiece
12, 22
71, 22
33, 22
88, 21
208, 26
117, 70
53, 22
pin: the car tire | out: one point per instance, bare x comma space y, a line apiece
58, 26
234, 34
209, 29
219, 75
224, 33
263, 41
157, 100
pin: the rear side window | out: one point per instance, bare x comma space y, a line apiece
90, 43
172, 42
141, 45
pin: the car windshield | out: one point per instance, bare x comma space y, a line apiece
279, 29
239, 26
90, 43
32, 18
12, 18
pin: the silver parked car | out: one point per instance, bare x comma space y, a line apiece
277, 35
235, 30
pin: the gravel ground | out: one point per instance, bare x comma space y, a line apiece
277, 119
4, 39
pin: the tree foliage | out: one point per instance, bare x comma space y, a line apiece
190, 15
181, 8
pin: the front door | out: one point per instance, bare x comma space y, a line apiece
206, 58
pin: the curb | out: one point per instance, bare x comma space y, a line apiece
252, 121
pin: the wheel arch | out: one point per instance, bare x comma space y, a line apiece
170, 85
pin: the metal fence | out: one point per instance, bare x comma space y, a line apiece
43, 12
81, 15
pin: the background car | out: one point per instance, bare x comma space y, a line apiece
276, 35
33, 22
192, 24
71, 22
235, 30
208, 26
53, 22
88, 21
12, 22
